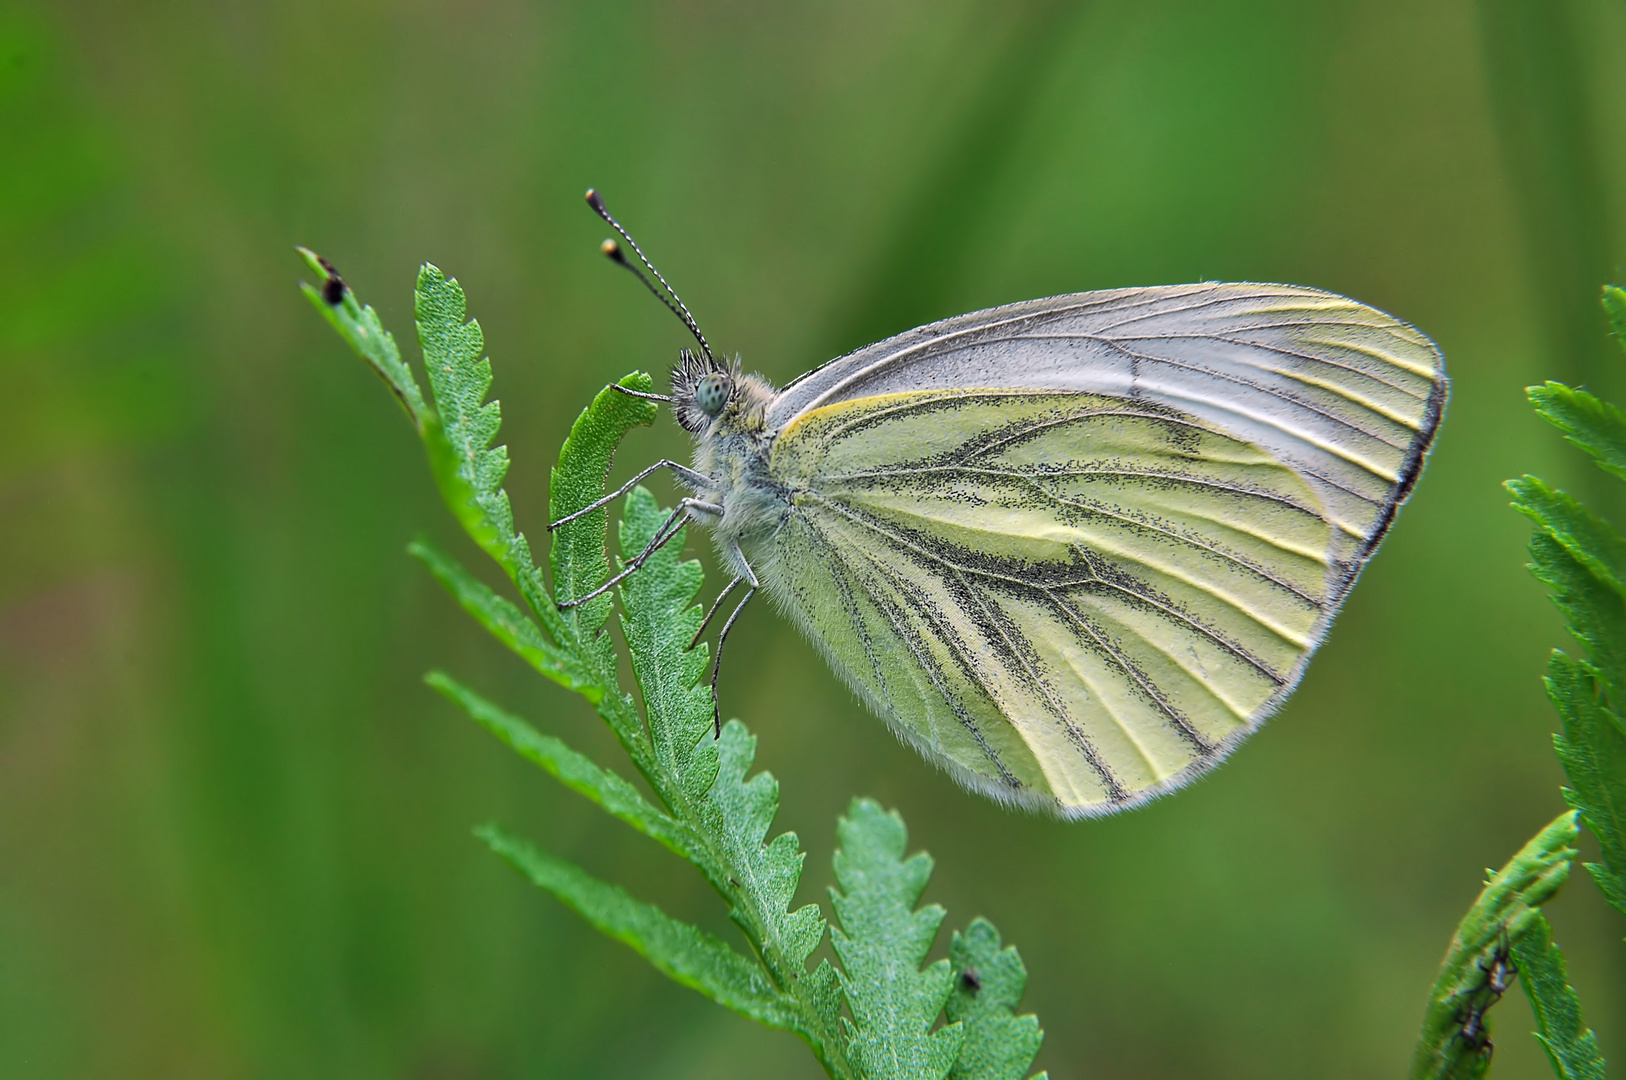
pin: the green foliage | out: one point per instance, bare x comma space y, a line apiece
872, 1017
1592, 749
1614, 306
1584, 537
1581, 560
682, 952
575, 771
1595, 426
1455, 1043
1572, 1049
988, 984
881, 943
360, 327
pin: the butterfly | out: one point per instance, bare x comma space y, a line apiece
1072, 550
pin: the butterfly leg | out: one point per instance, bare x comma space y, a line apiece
715, 605
722, 638
618, 388
663, 536
698, 481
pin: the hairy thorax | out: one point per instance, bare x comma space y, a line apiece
733, 451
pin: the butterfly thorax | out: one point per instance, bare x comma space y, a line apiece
733, 451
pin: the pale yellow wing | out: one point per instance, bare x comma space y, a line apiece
1072, 600
1343, 394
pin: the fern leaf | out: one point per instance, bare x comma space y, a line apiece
360, 327
1587, 538
716, 813
1582, 561
1614, 306
661, 618
577, 553
1571, 1047
741, 808
578, 560
505, 621
469, 468
470, 472
988, 985
1455, 1043
1594, 613
1592, 749
456, 437
707, 780
711, 776
1595, 426
882, 941
574, 770
684, 953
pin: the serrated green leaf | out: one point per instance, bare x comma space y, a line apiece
505, 621
1595, 426
1587, 538
1571, 1048
1594, 613
684, 953
1454, 1043
740, 808
711, 776
360, 327
1614, 306
882, 941
577, 555
718, 815
1612, 885
661, 618
574, 770
469, 479
469, 473
987, 988
469, 469
707, 780
457, 438
1592, 749
820, 994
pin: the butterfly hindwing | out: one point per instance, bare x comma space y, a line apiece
1062, 596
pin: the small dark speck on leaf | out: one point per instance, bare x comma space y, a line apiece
333, 289
970, 981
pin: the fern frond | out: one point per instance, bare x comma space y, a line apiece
708, 807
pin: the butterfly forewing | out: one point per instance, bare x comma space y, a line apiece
1344, 394
1075, 549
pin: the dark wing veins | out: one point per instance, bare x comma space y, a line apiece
1051, 596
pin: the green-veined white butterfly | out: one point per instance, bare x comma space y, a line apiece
1073, 550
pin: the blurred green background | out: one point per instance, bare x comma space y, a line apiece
234, 826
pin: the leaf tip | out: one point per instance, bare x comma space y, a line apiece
312, 260
1614, 306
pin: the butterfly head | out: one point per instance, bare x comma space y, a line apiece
702, 388
711, 392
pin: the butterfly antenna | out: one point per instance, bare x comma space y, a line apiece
613, 251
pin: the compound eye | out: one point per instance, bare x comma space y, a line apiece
711, 393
